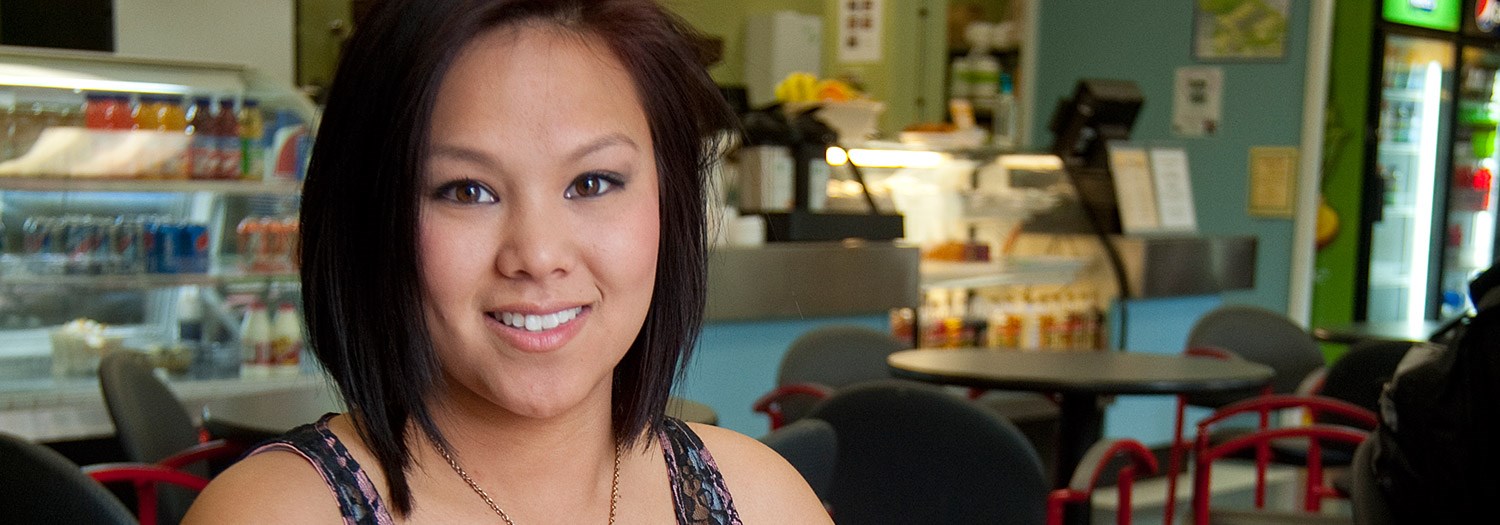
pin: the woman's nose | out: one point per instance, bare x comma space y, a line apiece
537, 242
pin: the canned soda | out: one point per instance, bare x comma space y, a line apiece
40, 235
192, 253
151, 245
81, 241
125, 246
168, 236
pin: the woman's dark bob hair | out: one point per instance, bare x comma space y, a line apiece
361, 279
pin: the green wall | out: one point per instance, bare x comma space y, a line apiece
1343, 160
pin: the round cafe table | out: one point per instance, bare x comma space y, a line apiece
1079, 379
260, 417
1414, 331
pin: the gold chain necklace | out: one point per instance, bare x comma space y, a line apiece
614, 484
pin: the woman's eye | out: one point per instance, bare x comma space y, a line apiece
591, 185
467, 192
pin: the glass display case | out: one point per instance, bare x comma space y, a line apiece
145, 205
986, 278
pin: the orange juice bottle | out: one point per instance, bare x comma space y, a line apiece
146, 114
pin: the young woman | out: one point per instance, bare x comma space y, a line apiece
503, 269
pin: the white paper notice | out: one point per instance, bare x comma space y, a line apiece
1174, 189
1197, 100
859, 30
1133, 192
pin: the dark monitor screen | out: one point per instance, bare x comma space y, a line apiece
1101, 110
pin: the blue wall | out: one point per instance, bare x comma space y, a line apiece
735, 364
1146, 42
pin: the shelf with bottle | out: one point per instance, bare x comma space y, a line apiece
1020, 318
130, 252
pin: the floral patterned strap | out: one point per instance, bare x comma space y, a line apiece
698, 491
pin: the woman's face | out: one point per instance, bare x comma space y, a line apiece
539, 221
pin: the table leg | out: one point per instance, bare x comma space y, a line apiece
1080, 424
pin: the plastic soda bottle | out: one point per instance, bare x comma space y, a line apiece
286, 341
252, 142
203, 140
255, 342
227, 147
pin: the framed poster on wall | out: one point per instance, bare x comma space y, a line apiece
1240, 30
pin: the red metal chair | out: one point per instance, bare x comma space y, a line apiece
1082, 486
1263, 438
42, 486
1254, 334
144, 478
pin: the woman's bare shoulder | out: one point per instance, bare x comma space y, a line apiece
765, 488
275, 486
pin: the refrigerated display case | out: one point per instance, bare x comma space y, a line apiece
119, 233
1427, 224
1414, 106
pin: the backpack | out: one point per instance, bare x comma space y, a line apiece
1437, 456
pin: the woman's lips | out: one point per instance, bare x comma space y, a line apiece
538, 332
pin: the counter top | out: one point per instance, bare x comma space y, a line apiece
48, 409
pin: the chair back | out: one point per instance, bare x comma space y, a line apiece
1258, 335
833, 356
912, 453
42, 486
150, 422
812, 447
1359, 376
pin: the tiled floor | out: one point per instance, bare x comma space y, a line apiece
1233, 488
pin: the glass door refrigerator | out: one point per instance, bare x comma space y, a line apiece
1411, 151
1429, 220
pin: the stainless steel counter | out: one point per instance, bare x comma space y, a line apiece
811, 279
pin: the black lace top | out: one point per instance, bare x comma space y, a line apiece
698, 492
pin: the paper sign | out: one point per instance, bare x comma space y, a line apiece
1174, 189
1197, 100
859, 30
1272, 181
1134, 195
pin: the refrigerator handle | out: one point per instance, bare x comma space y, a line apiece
1375, 200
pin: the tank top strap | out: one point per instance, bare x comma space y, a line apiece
359, 502
698, 491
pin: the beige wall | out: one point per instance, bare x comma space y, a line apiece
255, 33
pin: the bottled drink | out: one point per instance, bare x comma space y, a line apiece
1004, 123
227, 137
203, 141
255, 341
252, 142
286, 340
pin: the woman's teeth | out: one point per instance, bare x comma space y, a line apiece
537, 323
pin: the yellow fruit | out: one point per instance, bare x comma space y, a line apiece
797, 87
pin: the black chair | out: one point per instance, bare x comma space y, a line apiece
811, 446
42, 486
821, 361
153, 427
1359, 376
912, 453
